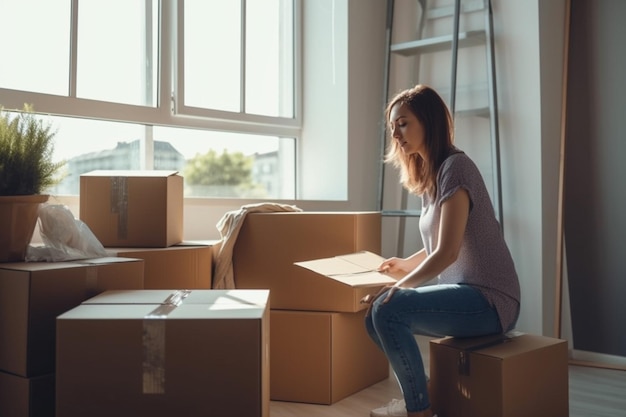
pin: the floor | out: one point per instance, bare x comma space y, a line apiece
593, 392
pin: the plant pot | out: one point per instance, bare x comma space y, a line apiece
18, 218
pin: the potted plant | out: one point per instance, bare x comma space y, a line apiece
26, 171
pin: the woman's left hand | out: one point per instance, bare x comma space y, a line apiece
390, 293
369, 299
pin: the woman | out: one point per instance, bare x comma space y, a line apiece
477, 292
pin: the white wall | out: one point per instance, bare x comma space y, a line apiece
552, 32
324, 143
529, 43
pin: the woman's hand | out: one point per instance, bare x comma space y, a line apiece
369, 299
396, 267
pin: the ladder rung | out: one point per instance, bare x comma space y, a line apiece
445, 11
401, 213
474, 112
438, 43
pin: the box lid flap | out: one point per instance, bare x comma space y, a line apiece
163, 312
129, 173
106, 260
251, 297
357, 269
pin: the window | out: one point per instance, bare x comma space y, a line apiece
206, 87
228, 60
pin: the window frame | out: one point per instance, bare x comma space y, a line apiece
178, 97
165, 111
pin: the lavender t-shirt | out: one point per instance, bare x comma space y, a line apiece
484, 260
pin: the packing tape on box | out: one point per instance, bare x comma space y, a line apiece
119, 204
177, 297
154, 342
464, 355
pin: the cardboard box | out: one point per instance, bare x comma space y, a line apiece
268, 245
133, 208
322, 357
205, 354
519, 375
26, 397
33, 294
212, 298
179, 266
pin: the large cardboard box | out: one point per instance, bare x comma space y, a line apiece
518, 375
197, 353
322, 357
268, 245
180, 266
26, 397
212, 299
133, 208
33, 294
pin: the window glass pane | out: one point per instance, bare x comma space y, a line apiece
212, 54
35, 47
269, 58
116, 61
215, 164
117, 44
222, 164
86, 145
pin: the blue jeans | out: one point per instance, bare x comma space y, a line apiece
432, 310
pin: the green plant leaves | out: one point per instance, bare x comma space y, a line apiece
26, 151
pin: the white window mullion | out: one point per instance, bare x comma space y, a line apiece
167, 59
73, 49
147, 79
242, 75
146, 144
290, 54
178, 66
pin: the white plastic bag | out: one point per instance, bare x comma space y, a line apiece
65, 238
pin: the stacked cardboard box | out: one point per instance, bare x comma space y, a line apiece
32, 295
139, 214
163, 353
184, 265
133, 208
320, 351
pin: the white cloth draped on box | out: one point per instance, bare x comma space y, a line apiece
229, 226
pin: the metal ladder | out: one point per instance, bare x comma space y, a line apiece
416, 51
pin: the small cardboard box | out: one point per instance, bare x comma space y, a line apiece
518, 375
33, 294
26, 397
133, 208
179, 266
322, 357
269, 244
206, 353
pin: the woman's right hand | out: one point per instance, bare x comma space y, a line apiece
395, 267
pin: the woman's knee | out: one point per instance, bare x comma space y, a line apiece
381, 311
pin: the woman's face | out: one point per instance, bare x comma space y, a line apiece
407, 130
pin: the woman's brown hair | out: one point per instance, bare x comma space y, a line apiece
419, 175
